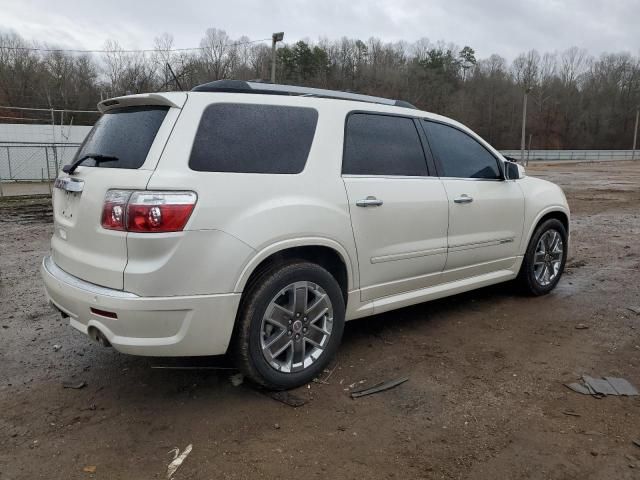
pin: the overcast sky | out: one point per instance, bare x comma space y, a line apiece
506, 27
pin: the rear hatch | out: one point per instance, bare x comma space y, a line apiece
120, 152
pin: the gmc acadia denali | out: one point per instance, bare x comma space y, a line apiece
258, 218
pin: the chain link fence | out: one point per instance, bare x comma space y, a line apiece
34, 161
28, 168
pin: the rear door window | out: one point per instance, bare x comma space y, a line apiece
382, 145
247, 138
125, 134
459, 155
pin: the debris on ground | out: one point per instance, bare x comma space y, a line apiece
581, 326
571, 414
380, 387
57, 347
635, 310
89, 469
349, 387
237, 379
325, 380
178, 458
601, 387
636, 442
75, 384
288, 399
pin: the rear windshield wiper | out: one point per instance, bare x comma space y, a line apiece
94, 156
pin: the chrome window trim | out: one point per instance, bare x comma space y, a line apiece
474, 179
394, 177
486, 243
408, 255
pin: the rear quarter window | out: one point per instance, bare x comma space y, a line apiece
247, 138
123, 133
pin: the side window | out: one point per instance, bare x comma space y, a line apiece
382, 145
246, 138
459, 154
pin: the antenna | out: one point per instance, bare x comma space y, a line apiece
174, 76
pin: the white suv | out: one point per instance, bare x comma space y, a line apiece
257, 218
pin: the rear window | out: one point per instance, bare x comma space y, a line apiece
248, 138
125, 134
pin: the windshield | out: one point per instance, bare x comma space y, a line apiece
124, 135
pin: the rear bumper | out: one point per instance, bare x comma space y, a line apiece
155, 326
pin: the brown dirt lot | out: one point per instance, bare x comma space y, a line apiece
485, 397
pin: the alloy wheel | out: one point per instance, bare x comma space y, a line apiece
296, 327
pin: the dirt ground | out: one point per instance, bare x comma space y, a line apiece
485, 397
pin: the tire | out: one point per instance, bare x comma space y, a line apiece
276, 299
531, 276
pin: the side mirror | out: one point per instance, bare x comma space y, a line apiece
511, 171
523, 172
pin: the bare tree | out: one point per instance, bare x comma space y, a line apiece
219, 53
526, 68
573, 63
162, 57
580, 101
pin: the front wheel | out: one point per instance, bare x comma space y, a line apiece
545, 258
290, 325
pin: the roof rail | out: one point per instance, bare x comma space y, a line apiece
241, 86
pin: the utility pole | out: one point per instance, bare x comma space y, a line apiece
635, 133
524, 124
276, 37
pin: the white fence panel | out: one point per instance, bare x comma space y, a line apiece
573, 155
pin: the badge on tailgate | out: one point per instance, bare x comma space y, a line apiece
69, 184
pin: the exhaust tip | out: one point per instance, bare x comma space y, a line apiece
99, 337
62, 314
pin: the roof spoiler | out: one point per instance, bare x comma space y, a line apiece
241, 86
172, 99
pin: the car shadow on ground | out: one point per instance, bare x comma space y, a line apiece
177, 377
416, 316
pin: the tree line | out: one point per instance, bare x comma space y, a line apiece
576, 100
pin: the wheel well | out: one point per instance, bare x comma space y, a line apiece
326, 257
560, 216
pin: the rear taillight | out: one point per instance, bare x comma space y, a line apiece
147, 211
114, 209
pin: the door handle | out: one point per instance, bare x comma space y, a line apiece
464, 198
370, 201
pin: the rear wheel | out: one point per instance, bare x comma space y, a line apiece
545, 258
290, 325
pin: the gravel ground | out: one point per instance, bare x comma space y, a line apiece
485, 397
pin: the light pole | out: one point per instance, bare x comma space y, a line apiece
635, 133
276, 37
524, 123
